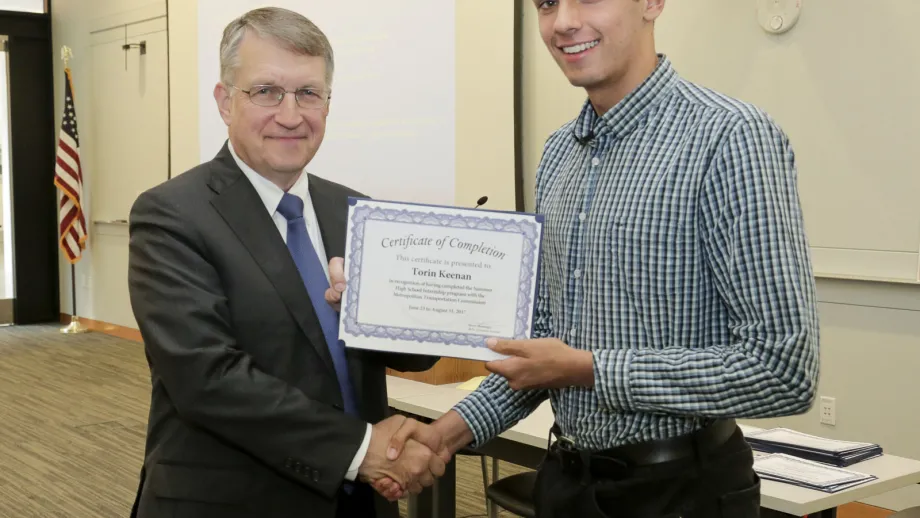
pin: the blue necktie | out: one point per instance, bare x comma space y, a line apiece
314, 278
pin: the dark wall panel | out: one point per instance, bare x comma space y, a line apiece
33, 158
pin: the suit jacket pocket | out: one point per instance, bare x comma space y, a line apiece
196, 483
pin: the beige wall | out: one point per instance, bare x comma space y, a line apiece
71, 24
870, 352
838, 84
183, 84
484, 109
547, 99
485, 159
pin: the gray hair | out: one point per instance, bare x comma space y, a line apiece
292, 30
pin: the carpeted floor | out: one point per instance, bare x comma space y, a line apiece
73, 413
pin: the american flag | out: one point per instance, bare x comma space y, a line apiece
68, 177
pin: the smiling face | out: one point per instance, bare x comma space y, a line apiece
277, 142
600, 44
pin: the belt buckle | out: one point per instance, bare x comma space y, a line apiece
573, 460
567, 443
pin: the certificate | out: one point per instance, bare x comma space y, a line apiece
436, 280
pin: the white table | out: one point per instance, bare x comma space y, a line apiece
527, 441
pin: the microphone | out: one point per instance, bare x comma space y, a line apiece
587, 139
481, 201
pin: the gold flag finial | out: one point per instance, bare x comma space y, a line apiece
66, 54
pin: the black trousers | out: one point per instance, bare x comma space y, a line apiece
721, 484
358, 504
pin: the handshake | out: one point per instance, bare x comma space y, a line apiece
404, 456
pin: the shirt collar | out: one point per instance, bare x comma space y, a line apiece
270, 193
629, 112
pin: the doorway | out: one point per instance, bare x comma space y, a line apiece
7, 255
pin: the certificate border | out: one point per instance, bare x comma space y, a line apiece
531, 232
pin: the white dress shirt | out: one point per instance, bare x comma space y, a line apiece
271, 196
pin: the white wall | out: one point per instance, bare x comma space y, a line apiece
391, 130
484, 104
28, 6
71, 24
870, 331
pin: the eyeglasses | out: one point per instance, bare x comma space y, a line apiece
272, 95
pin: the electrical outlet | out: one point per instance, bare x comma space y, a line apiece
828, 411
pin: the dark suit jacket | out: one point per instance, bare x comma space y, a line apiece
246, 414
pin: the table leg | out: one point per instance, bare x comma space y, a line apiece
439, 500
415, 507
445, 492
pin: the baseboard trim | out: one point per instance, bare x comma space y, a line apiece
106, 328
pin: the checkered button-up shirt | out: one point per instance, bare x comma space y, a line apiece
674, 250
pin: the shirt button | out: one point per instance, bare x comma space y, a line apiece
582, 216
595, 161
577, 273
572, 332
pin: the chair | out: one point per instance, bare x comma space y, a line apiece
514, 493
913, 512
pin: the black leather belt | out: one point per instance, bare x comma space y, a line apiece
616, 462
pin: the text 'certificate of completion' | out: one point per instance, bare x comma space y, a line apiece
438, 280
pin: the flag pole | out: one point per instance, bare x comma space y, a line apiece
75, 327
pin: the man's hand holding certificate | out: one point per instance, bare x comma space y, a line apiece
437, 280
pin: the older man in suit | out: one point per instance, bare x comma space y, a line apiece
256, 409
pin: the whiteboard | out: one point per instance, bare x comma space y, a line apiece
391, 128
843, 84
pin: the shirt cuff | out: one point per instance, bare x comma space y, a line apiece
611, 378
352, 472
481, 416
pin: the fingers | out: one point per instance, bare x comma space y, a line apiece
412, 429
334, 299
395, 493
505, 368
388, 489
426, 479
508, 347
337, 274
419, 466
415, 488
382, 485
436, 466
333, 295
444, 454
512, 369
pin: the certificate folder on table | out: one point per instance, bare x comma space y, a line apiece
804, 473
809, 447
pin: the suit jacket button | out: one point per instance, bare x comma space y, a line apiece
316, 476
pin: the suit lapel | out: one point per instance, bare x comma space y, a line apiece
240, 206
